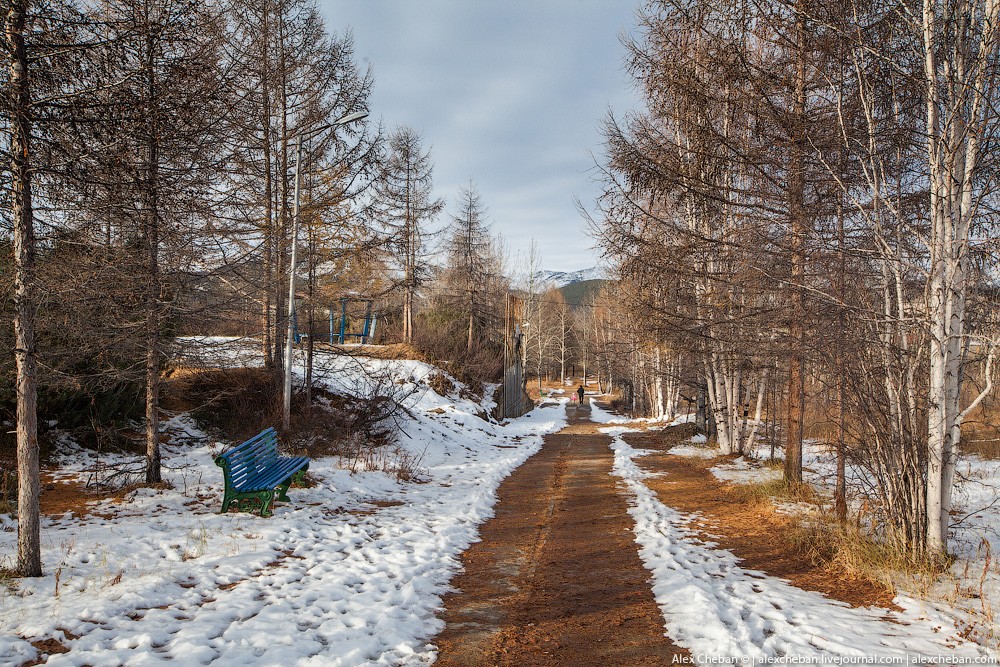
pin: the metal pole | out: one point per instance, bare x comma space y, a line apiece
286, 411
368, 323
343, 319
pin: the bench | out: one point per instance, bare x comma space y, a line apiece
253, 471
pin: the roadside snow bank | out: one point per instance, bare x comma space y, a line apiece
350, 572
717, 609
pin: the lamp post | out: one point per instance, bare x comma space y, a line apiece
286, 412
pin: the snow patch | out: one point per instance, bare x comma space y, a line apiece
717, 609
350, 572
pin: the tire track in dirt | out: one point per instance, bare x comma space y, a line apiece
556, 579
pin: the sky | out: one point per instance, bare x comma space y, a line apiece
509, 93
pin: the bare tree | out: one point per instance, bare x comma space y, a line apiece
405, 206
19, 107
961, 41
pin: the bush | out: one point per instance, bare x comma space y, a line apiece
239, 402
441, 336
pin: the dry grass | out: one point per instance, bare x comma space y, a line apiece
238, 401
764, 493
8, 491
884, 560
981, 430
393, 352
983, 447
441, 384
9, 580
394, 460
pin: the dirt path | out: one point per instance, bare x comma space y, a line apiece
556, 579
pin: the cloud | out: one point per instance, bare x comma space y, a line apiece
510, 93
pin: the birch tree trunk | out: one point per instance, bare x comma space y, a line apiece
960, 83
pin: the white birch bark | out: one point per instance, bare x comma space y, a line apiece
960, 85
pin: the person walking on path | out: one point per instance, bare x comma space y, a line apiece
579, 392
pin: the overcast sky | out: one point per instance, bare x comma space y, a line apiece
508, 92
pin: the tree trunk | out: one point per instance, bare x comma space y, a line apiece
29, 559
797, 229
152, 233
311, 316
660, 408
701, 410
269, 279
468, 347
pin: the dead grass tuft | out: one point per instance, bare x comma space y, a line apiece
8, 490
9, 579
985, 448
764, 493
441, 384
883, 560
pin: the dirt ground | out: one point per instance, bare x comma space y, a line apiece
556, 579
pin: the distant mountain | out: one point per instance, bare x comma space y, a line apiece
564, 278
583, 292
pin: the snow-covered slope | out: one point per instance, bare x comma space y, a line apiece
564, 278
350, 572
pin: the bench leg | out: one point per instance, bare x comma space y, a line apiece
296, 478
227, 500
300, 476
266, 500
283, 490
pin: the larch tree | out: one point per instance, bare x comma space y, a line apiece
18, 106
405, 207
472, 267
170, 99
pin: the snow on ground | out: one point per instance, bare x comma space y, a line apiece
970, 593
741, 471
972, 587
720, 610
220, 351
350, 572
973, 584
602, 416
692, 451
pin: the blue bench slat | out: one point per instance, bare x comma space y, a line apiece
256, 465
252, 451
271, 477
253, 459
262, 439
279, 473
268, 480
